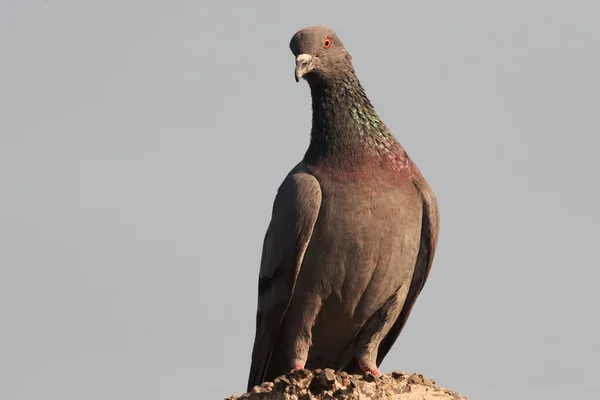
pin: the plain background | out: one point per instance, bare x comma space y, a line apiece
142, 144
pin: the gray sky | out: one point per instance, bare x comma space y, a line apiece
142, 144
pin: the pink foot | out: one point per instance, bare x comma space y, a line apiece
374, 372
298, 367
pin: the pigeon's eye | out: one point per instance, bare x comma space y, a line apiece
327, 42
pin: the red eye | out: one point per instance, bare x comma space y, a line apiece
327, 42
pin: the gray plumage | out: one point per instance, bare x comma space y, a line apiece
352, 235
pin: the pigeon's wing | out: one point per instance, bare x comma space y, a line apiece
429, 238
295, 212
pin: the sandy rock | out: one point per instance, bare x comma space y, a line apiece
327, 385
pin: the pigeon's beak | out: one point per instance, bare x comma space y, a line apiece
304, 64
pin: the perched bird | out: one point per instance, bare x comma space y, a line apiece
352, 235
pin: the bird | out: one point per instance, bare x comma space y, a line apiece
352, 236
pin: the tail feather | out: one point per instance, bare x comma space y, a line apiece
257, 372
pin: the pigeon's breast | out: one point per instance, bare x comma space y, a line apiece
363, 247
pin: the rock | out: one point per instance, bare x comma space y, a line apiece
327, 385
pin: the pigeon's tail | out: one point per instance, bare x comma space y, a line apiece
257, 373
261, 370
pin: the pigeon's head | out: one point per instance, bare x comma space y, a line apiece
320, 54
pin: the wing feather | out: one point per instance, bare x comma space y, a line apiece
429, 237
295, 212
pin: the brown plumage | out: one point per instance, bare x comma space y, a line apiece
352, 235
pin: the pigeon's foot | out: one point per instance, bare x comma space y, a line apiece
298, 367
373, 371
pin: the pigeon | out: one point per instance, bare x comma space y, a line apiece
352, 236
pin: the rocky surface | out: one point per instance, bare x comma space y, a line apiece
326, 384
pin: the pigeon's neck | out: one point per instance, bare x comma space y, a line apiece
345, 123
